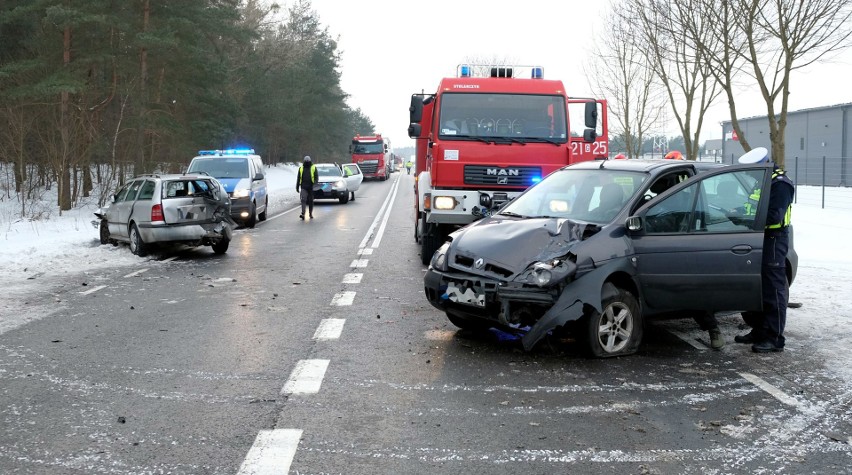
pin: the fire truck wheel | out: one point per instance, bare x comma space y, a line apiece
430, 242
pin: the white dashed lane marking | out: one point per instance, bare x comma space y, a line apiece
329, 329
359, 263
365, 252
93, 290
772, 390
134, 274
352, 278
343, 299
306, 377
271, 453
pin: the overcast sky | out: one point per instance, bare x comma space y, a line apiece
391, 49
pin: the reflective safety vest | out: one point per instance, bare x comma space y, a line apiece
750, 206
313, 173
788, 214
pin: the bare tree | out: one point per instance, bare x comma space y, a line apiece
621, 75
675, 58
766, 40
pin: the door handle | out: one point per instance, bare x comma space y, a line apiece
741, 249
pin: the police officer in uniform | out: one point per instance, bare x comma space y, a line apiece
767, 327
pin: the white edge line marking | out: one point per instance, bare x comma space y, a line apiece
375, 221
170, 259
329, 329
772, 390
343, 298
686, 338
93, 290
281, 214
378, 240
354, 278
306, 377
133, 274
272, 452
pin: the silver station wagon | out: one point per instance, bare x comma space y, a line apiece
157, 209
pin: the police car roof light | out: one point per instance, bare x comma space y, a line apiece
231, 151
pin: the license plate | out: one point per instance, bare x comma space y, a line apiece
464, 296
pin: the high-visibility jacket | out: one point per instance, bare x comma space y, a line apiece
780, 181
312, 175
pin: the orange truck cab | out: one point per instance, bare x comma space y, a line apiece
487, 135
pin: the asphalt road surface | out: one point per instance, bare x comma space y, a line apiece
309, 348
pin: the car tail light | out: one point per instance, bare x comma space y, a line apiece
157, 213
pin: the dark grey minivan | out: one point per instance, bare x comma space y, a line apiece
597, 246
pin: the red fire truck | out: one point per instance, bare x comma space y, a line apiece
372, 153
487, 135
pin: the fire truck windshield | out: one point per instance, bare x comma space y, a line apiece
470, 116
367, 148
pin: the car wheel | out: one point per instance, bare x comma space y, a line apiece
221, 246
252, 219
618, 329
344, 199
104, 231
262, 216
137, 245
468, 323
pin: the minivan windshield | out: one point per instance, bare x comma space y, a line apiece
594, 196
219, 167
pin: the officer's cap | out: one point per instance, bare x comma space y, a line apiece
756, 155
307, 158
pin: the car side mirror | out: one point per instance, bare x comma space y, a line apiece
258, 176
114, 197
634, 223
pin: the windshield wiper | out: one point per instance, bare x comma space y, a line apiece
509, 213
474, 137
542, 139
497, 139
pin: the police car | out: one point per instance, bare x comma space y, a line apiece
242, 174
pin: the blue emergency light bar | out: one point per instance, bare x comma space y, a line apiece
230, 151
465, 71
537, 72
535, 179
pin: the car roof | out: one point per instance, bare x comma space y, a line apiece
176, 176
643, 165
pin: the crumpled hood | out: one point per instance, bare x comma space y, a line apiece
231, 184
514, 244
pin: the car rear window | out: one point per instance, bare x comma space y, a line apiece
237, 167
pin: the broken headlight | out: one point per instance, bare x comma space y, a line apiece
546, 274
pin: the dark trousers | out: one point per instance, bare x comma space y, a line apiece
774, 284
769, 324
307, 198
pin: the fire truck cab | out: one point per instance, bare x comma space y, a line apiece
488, 134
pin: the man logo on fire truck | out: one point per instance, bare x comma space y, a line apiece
488, 134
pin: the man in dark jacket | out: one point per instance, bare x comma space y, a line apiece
767, 334
305, 181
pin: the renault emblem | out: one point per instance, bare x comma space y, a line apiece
479, 262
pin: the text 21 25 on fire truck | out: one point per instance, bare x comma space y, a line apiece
373, 155
487, 135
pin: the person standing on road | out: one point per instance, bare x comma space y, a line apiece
767, 327
408, 166
305, 181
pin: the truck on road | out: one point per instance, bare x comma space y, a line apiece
488, 134
373, 155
